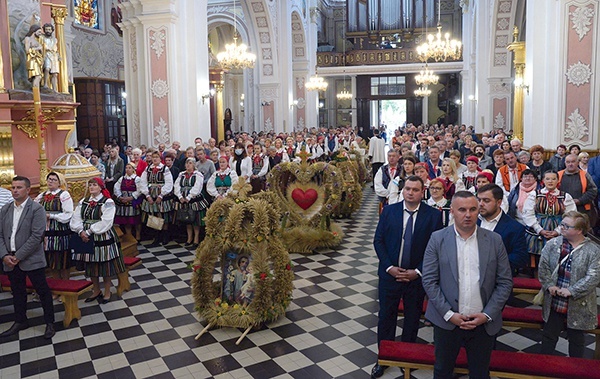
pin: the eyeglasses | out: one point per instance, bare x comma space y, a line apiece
565, 226
436, 189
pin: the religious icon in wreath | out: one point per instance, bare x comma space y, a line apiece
238, 280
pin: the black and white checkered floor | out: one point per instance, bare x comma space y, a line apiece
329, 329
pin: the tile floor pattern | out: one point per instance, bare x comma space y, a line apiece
329, 329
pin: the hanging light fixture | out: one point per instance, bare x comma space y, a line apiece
438, 48
426, 77
236, 56
422, 92
316, 83
344, 94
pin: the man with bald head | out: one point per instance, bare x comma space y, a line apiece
580, 185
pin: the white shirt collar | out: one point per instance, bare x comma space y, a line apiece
495, 219
474, 235
22, 204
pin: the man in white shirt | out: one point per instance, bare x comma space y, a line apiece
376, 153
467, 278
22, 227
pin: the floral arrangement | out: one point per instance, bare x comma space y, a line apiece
352, 188
250, 226
306, 228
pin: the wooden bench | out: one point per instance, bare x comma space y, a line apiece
503, 364
526, 318
526, 285
68, 289
130, 264
128, 243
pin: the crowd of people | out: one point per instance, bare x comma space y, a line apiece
502, 211
427, 178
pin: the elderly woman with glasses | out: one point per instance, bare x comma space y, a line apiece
569, 271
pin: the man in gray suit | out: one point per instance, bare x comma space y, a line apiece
467, 277
22, 226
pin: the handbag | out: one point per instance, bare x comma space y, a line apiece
185, 216
76, 245
539, 298
155, 222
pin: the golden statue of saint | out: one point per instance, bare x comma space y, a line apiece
35, 56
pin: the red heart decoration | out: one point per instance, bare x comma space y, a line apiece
304, 199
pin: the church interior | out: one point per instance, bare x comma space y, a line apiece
152, 72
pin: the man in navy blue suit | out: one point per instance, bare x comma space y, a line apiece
491, 217
400, 240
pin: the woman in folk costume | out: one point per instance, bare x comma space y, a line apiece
128, 199
260, 168
290, 149
59, 209
437, 188
469, 177
93, 220
220, 183
280, 154
450, 176
188, 191
543, 212
156, 185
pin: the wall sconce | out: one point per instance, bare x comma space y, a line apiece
472, 98
209, 95
321, 104
294, 104
520, 84
264, 103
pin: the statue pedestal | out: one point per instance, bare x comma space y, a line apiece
19, 147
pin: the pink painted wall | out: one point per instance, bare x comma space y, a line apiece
158, 40
501, 106
269, 113
578, 97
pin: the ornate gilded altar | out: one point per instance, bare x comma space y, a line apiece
78, 171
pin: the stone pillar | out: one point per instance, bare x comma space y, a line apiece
425, 110
563, 93
518, 49
166, 70
59, 13
354, 103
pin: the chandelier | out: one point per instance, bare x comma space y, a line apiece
422, 92
344, 95
438, 48
316, 83
426, 77
236, 56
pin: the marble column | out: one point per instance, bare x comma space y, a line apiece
166, 70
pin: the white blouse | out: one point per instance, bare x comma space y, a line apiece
136, 193
67, 206
210, 185
102, 226
165, 189
195, 191
529, 208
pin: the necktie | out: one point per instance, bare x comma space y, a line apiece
392, 171
408, 234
